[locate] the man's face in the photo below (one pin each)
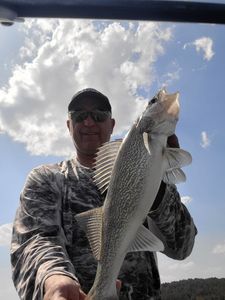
(89, 135)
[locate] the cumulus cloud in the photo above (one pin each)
(1, 130)
(219, 249)
(170, 77)
(60, 57)
(204, 45)
(205, 140)
(5, 234)
(202, 263)
(182, 266)
(172, 270)
(186, 199)
(7, 290)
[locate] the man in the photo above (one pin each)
(51, 257)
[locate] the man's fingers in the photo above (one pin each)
(118, 284)
(173, 142)
(82, 295)
(118, 287)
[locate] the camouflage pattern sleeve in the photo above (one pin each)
(175, 226)
(38, 246)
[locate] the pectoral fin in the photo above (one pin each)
(146, 241)
(146, 142)
(174, 176)
(91, 222)
(176, 158)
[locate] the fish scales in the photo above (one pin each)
(140, 164)
(132, 167)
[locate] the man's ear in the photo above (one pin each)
(112, 124)
(69, 124)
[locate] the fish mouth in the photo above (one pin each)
(163, 108)
(172, 105)
(169, 103)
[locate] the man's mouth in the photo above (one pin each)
(89, 133)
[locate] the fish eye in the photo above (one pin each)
(154, 100)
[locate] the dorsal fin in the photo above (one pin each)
(103, 166)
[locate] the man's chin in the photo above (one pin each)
(92, 148)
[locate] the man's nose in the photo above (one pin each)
(89, 121)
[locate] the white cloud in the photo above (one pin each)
(204, 44)
(219, 249)
(173, 270)
(205, 140)
(186, 200)
(5, 234)
(60, 57)
(7, 289)
(181, 266)
(202, 262)
(1, 130)
(170, 77)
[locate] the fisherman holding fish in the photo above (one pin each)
(89, 227)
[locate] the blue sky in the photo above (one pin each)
(44, 62)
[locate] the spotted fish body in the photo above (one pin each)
(132, 171)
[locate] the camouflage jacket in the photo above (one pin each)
(46, 239)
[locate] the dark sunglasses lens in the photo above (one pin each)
(99, 116)
(79, 116)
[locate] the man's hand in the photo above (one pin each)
(61, 287)
(173, 142)
(118, 285)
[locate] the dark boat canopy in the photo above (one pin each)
(148, 10)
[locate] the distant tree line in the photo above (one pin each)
(194, 289)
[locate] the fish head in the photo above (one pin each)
(161, 114)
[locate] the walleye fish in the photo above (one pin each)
(132, 170)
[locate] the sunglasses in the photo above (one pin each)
(97, 115)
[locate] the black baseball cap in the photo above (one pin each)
(90, 93)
